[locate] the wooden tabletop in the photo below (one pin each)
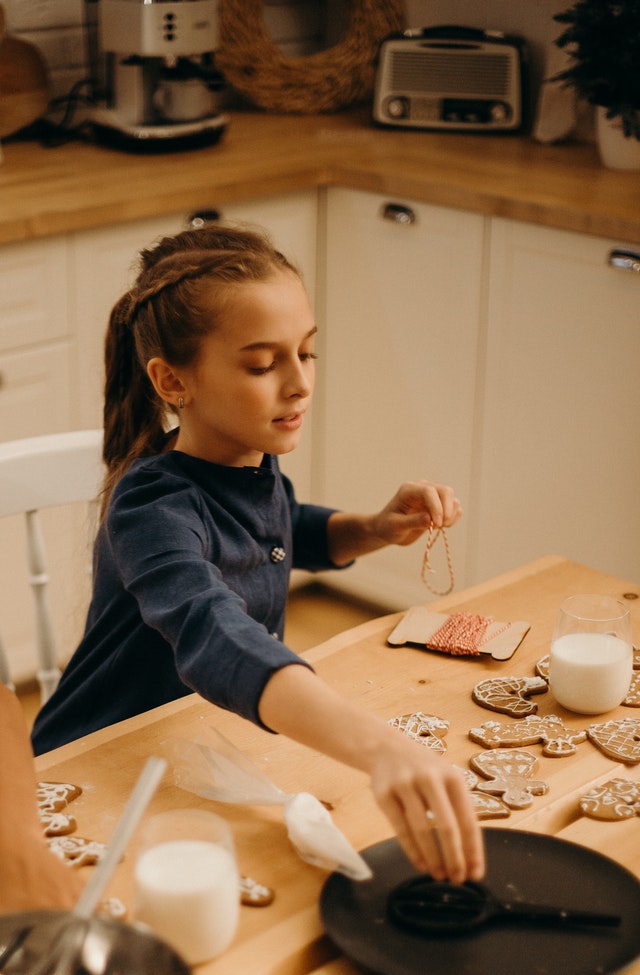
(287, 937)
(80, 185)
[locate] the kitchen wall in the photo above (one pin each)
(298, 26)
(56, 27)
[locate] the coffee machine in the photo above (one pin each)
(154, 81)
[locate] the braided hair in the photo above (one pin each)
(181, 292)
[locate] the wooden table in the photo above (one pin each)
(287, 938)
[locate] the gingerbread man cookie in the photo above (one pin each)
(619, 740)
(509, 695)
(509, 772)
(616, 799)
(426, 729)
(557, 740)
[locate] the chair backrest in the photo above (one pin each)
(38, 473)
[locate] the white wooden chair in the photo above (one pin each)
(38, 473)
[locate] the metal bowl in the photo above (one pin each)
(105, 946)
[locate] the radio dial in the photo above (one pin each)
(398, 107)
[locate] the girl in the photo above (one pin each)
(200, 531)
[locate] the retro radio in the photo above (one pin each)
(451, 78)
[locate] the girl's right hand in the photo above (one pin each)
(426, 799)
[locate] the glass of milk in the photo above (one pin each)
(591, 659)
(187, 887)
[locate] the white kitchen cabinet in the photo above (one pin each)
(104, 262)
(559, 467)
(398, 370)
(36, 341)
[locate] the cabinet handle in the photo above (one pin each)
(202, 218)
(625, 260)
(398, 213)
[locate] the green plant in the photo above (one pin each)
(603, 41)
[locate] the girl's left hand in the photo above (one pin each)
(415, 507)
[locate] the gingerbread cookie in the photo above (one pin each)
(632, 700)
(509, 773)
(57, 824)
(489, 807)
(542, 667)
(619, 740)
(78, 851)
(253, 894)
(557, 740)
(427, 729)
(509, 695)
(54, 796)
(616, 799)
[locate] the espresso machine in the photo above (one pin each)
(154, 81)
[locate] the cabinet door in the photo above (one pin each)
(398, 368)
(33, 293)
(560, 465)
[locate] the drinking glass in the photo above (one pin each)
(187, 887)
(591, 659)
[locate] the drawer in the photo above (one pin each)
(35, 392)
(33, 293)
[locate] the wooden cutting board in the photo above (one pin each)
(24, 82)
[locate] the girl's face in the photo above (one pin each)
(251, 384)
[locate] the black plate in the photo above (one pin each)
(525, 866)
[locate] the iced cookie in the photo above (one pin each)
(78, 851)
(509, 773)
(427, 729)
(54, 796)
(489, 807)
(509, 695)
(253, 894)
(557, 740)
(616, 799)
(542, 667)
(632, 700)
(57, 824)
(619, 740)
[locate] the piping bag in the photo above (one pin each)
(212, 767)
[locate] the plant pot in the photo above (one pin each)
(617, 151)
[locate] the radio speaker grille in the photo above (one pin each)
(463, 74)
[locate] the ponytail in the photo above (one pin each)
(134, 417)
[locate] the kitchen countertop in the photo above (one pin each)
(80, 185)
